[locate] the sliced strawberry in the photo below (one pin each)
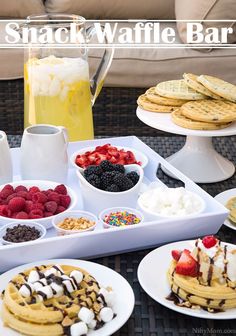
(209, 241)
(187, 265)
(176, 254)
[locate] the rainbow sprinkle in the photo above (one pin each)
(121, 218)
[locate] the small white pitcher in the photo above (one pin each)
(44, 153)
(5, 160)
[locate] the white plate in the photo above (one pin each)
(223, 198)
(105, 276)
(152, 275)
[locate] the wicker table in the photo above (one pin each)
(150, 318)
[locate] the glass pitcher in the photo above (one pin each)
(57, 87)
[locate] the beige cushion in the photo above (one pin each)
(116, 9)
(21, 9)
(140, 67)
(205, 10)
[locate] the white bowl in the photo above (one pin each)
(73, 214)
(97, 200)
(36, 225)
(119, 209)
(43, 185)
(140, 157)
(151, 215)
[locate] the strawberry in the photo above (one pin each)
(176, 254)
(209, 241)
(187, 265)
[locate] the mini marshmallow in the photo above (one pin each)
(65, 277)
(26, 290)
(33, 276)
(92, 324)
(58, 269)
(109, 296)
(106, 314)
(58, 289)
(86, 315)
(47, 290)
(50, 271)
(78, 329)
(68, 285)
(77, 276)
(39, 284)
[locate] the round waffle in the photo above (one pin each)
(157, 99)
(146, 104)
(32, 316)
(179, 119)
(219, 87)
(178, 89)
(191, 80)
(211, 111)
(216, 296)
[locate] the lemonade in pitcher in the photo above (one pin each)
(58, 89)
(57, 92)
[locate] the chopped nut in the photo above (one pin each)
(67, 322)
(76, 224)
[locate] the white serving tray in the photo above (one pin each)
(118, 240)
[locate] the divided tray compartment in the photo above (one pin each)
(102, 241)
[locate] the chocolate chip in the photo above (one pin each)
(21, 233)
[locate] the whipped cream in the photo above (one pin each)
(170, 201)
(221, 259)
(53, 76)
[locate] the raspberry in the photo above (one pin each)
(16, 204)
(21, 188)
(60, 209)
(37, 206)
(23, 194)
(61, 189)
(54, 196)
(209, 241)
(5, 193)
(65, 201)
(5, 211)
(22, 215)
(48, 214)
(10, 197)
(34, 190)
(28, 206)
(36, 213)
(51, 206)
(48, 191)
(39, 197)
(8, 187)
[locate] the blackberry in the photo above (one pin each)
(119, 168)
(106, 166)
(107, 179)
(94, 180)
(113, 188)
(123, 182)
(92, 170)
(133, 176)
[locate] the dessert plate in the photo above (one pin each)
(105, 276)
(155, 284)
(223, 198)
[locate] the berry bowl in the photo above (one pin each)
(71, 222)
(120, 217)
(9, 229)
(34, 200)
(114, 154)
(96, 199)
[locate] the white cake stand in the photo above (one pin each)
(197, 159)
